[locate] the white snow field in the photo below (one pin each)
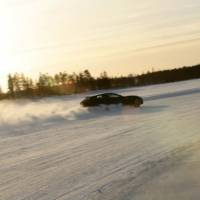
(52, 149)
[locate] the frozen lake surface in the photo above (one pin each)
(53, 149)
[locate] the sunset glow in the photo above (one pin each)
(120, 37)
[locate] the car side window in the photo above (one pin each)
(113, 96)
(99, 97)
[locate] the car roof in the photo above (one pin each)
(104, 94)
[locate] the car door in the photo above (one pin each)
(114, 99)
(105, 99)
(100, 99)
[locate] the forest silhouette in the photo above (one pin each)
(63, 83)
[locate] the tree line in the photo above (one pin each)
(63, 83)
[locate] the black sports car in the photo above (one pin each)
(111, 98)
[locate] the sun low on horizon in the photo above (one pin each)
(120, 37)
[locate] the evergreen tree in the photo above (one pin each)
(64, 77)
(11, 85)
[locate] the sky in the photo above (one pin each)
(119, 36)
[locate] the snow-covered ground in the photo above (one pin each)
(52, 149)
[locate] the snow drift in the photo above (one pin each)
(27, 111)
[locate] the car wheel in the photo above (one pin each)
(137, 103)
